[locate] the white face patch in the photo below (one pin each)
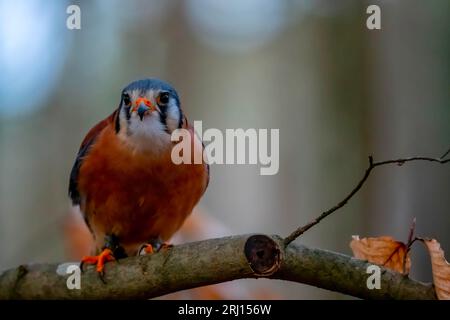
(149, 134)
(172, 116)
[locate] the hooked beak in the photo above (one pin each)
(141, 111)
(143, 106)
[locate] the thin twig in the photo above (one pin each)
(372, 165)
(412, 230)
(411, 239)
(445, 154)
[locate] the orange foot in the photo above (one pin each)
(100, 260)
(149, 248)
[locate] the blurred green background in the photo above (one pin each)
(336, 90)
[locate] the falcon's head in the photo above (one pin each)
(148, 113)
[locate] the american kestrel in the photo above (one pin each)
(129, 190)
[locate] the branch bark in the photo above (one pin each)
(219, 260)
(208, 262)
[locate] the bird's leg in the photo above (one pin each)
(152, 246)
(110, 252)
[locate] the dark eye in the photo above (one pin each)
(163, 98)
(126, 99)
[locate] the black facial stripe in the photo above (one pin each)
(128, 113)
(128, 117)
(117, 122)
(180, 121)
(163, 117)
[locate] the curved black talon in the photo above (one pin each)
(156, 246)
(101, 275)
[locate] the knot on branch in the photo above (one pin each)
(263, 255)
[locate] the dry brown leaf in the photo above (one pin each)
(384, 251)
(441, 269)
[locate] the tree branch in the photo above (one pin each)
(209, 262)
(219, 260)
(372, 165)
